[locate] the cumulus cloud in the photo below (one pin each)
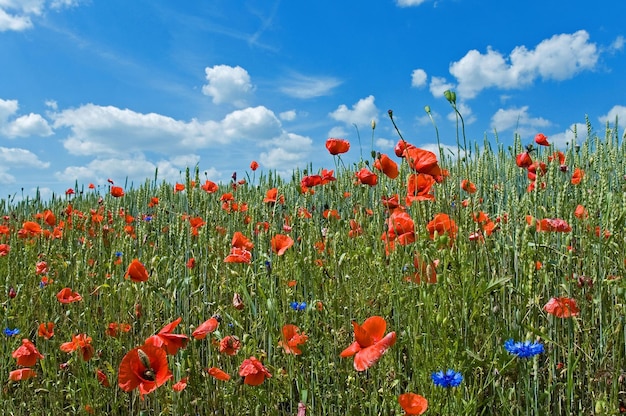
(409, 3)
(289, 115)
(418, 78)
(361, 114)
(304, 86)
(22, 126)
(519, 120)
(227, 84)
(576, 133)
(15, 15)
(107, 130)
(618, 111)
(12, 157)
(289, 150)
(559, 57)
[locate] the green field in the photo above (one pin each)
(453, 271)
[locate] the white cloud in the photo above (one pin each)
(303, 86)
(361, 114)
(289, 115)
(384, 144)
(337, 131)
(409, 3)
(418, 78)
(15, 15)
(23, 126)
(227, 84)
(101, 131)
(438, 85)
(466, 113)
(617, 45)
(519, 120)
(287, 152)
(560, 57)
(19, 158)
(576, 133)
(618, 111)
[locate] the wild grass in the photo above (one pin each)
(488, 290)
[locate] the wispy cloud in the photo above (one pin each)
(16, 15)
(306, 86)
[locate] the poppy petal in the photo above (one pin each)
(367, 357)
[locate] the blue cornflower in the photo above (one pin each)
(524, 349)
(11, 332)
(298, 306)
(118, 254)
(147, 218)
(450, 378)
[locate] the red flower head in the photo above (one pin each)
(218, 374)
(443, 225)
(337, 146)
(291, 339)
(136, 271)
(67, 296)
(208, 326)
(253, 371)
(386, 166)
(22, 374)
(271, 195)
(401, 146)
(102, 378)
(80, 343)
(254, 165)
(562, 307)
(165, 339)
(117, 191)
(424, 161)
(419, 188)
(281, 243)
(238, 255)
(144, 367)
(370, 342)
(413, 404)
(523, 160)
(229, 345)
(4, 249)
(366, 177)
(27, 354)
(541, 140)
(241, 241)
(209, 187)
(468, 186)
(577, 176)
(46, 330)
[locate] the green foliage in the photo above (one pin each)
(489, 288)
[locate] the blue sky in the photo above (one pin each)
(92, 90)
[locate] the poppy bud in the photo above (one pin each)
(390, 112)
(373, 124)
(12, 292)
(427, 109)
(450, 96)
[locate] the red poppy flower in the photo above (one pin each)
(401, 147)
(180, 385)
(41, 267)
(27, 354)
(165, 339)
(442, 224)
(577, 176)
(270, 195)
(413, 404)
(46, 330)
(419, 188)
(229, 345)
(424, 161)
(562, 307)
(366, 177)
(311, 181)
(241, 241)
(67, 296)
(355, 229)
(400, 227)
(387, 166)
(145, 368)
(114, 329)
(136, 271)
(254, 165)
(102, 378)
(49, 218)
(425, 272)
(218, 374)
(280, 243)
(208, 326)
(210, 187)
(22, 374)
(80, 343)
(523, 160)
(550, 224)
(179, 187)
(337, 146)
(117, 191)
(291, 339)
(581, 212)
(253, 371)
(370, 342)
(29, 229)
(468, 186)
(541, 139)
(238, 255)
(4, 249)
